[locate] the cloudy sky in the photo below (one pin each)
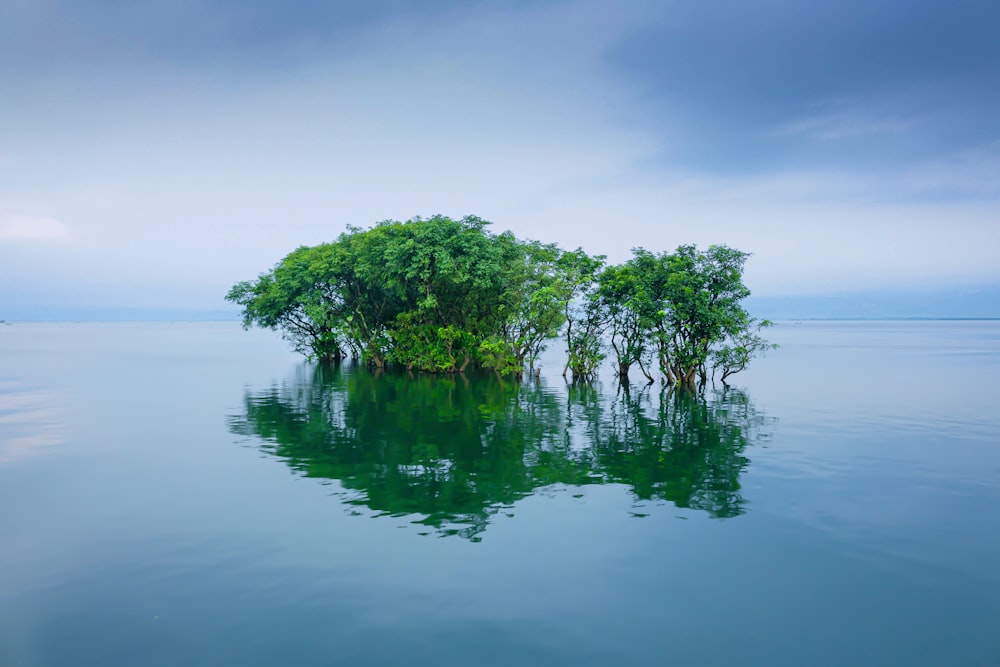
(153, 152)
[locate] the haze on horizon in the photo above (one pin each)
(154, 153)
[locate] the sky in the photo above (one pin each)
(154, 152)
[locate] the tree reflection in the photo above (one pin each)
(455, 450)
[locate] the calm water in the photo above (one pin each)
(193, 494)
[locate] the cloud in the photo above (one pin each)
(845, 125)
(720, 77)
(29, 228)
(193, 143)
(974, 172)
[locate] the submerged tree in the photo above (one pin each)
(686, 307)
(299, 298)
(531, 309)
(442, 295)
(585, 318)
(702, 309)
(452, 277)
(740, 347)
(427, 294)
(621, 295)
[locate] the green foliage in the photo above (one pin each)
(585, 318)
(452, 278)
(440, 295)
(685, 306)
(623, 298)
(702, 307)
(532, 309)
(741, 347)
(433, 295)
(497, 354)
(295, 297)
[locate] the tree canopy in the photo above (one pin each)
(439, 294)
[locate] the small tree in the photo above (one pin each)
(690, 304)
(740, 347)
(623, 299)
(585, 318)
(532, 308)
(702, 296)
(295, 298)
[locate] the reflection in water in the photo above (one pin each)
(455, 450)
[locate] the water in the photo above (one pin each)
(194, 494)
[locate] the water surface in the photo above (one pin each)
(194, 494)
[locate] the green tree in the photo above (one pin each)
(369, 303)
(532, 306)
(582, 310)
(622, 298)
(691, 304)
(297, 298)
(439, 294)
(740, 347)
(453, 276)
(702, 307)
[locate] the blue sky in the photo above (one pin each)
(154, 152)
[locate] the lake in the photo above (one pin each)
(190, 493)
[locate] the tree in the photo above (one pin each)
(740, 347)
(296, 297)
(532, 306)
(439, 294)
(369, 303)
(585, 318)
(699, 294)
(452, 277)
(622, 298)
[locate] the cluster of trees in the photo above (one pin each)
(452, 451)
(439, 294)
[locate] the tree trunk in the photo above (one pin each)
(645, 372)
(665, 367)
